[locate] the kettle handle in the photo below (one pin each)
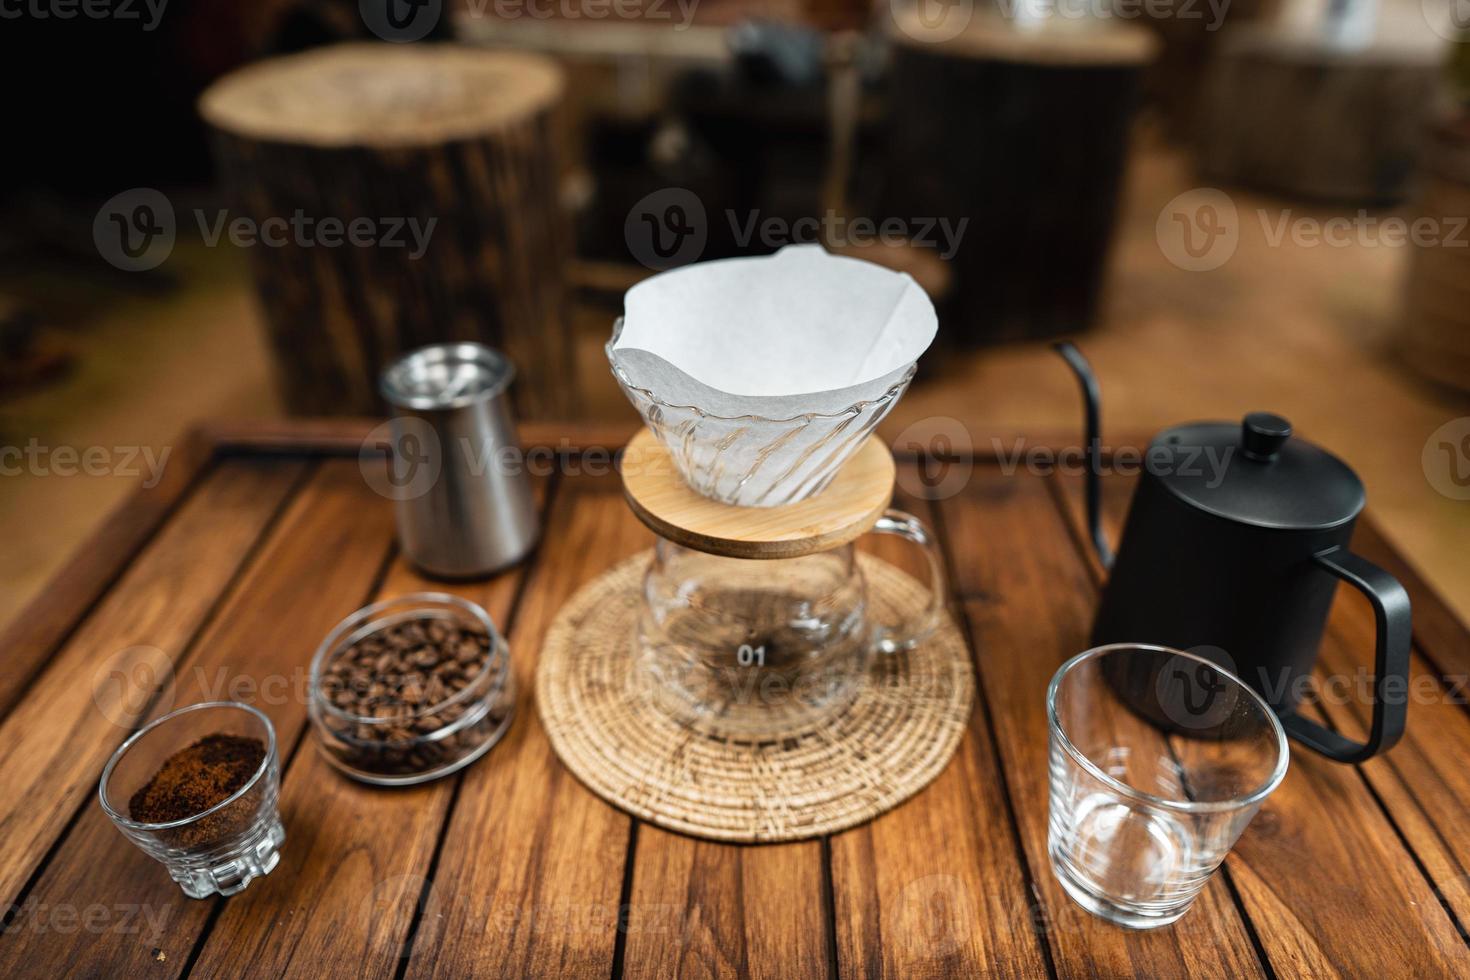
(1091, 404)
(1390, 663)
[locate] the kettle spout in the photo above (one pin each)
(1091, 403)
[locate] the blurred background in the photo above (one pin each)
(218, 209)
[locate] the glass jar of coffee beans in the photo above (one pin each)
(411, 689)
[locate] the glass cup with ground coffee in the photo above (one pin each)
(197, 791)
(411, 689)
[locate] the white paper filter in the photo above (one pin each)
(763, 375)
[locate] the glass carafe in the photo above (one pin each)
(767, 648)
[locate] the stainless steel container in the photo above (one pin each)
(468, 510)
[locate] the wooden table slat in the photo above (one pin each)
(1423, 782)
(75, 714)
(933, 888)
(1028, 597)
(706, 909)
(34, 634)
(1440, 633)
(513, 868)
(369, 886)
(318, 564)
(1325, 841)
(532, 863)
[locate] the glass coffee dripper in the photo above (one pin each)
(756, 623)
(761, 648)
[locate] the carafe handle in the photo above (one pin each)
(909, 634)
(1390, 663)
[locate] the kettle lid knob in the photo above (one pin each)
(1262, 435)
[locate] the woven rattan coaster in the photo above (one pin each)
(886, 746)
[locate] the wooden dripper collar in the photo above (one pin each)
(848, 508)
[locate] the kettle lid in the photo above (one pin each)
(1257, 474)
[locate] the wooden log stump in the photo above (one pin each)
(1436, 330)
(1298, 113)
(444, 159)
(1025, 134)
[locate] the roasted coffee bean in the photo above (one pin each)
(399, 678)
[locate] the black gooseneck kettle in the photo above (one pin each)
(1236, 539)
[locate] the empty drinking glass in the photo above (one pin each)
(1159, 759)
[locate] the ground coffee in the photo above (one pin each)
(195, 778)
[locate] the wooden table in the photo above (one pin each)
(257, 541)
